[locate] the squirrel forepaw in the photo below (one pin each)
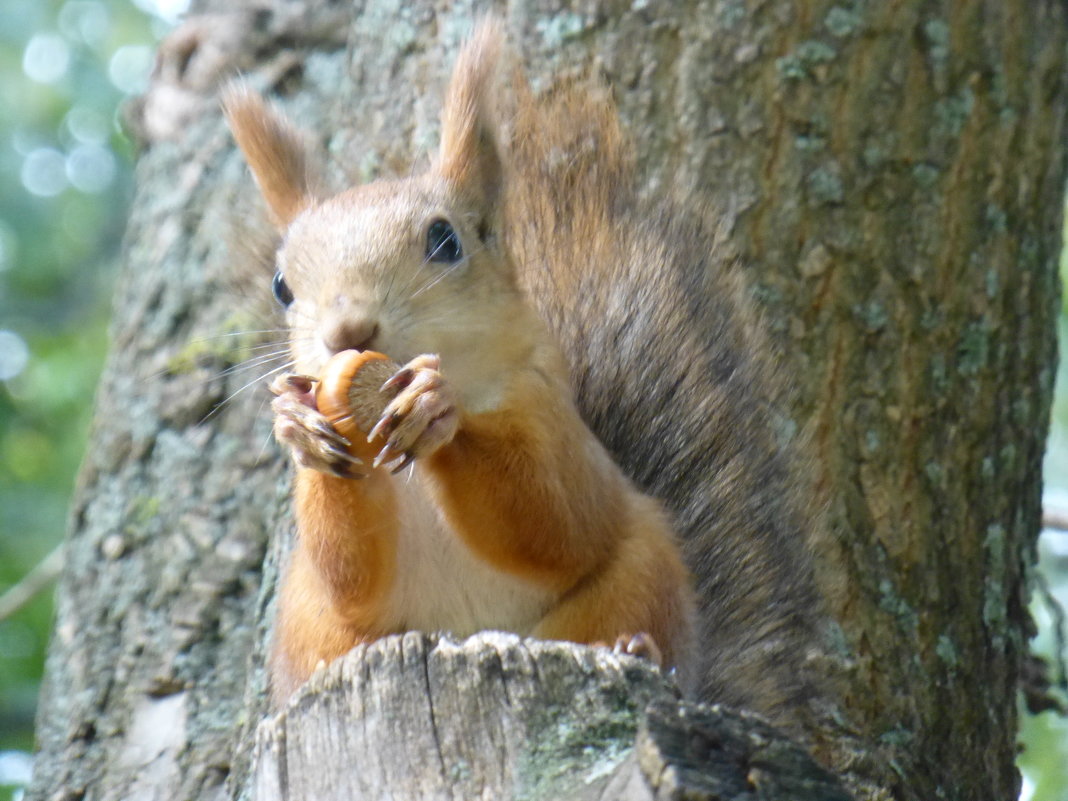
(310, 437)
(421, 418)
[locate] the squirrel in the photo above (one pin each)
(579, 447)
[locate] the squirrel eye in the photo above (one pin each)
(442, 243)
(282, 293)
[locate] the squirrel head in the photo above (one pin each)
(401, 266)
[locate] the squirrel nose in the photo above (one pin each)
(356, 333)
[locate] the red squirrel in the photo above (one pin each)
(541, 312)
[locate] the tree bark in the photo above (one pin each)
(891, 175)
(497, 717)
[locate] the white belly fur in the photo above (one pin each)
(442, 585)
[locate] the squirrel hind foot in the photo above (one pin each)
(640, 645)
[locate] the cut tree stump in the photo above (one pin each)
(498, 717)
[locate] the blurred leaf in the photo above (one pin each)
(57, 253)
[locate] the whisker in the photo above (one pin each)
(432, 284)
(212, 337)
(389, 289)
(267, 439)
(278, 343)
(285, 343)
(238, 391)
(436, 281)
(418, 274)
(451, 268)
(413, 278)
(251, 364)
(278, 347)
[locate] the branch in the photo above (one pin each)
(40, 577)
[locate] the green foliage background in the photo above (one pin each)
(57, 256)
(58, 249)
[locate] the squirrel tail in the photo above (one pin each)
(650, 309)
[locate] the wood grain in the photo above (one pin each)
(496, 717)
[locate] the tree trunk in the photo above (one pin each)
(891, 175)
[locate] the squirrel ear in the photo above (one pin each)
(274, 150)
(469, 155)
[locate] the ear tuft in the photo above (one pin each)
(274, 150)
(469, 155)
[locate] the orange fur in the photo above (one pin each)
(308, 630)
(468, 156)
(274, 150)
(339, 573)
(642, 589)
(530, 489)
(519, 518)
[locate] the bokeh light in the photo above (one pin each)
(46, 58)
(85, 21)
(14, 354)
(90, 168)
(129, 68)
(44, 172)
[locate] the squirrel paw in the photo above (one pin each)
(641, 645)
(310, 437)
(422, 418)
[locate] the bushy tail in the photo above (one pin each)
(646, 305)
(567, 162)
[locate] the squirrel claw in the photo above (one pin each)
(311, 439)
(421, 418)
(330, 433)
(338, 469)
(383, 426)
(387, 454)
(291, 382)
(404, 463)
(332, 459)
(399, 380)
(345, 456)
(390, 453)
(403, 377)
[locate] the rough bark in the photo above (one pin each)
(500, 718)
(891, 175)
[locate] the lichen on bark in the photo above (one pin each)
(891, 176)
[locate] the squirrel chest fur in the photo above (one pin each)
(575, 439)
